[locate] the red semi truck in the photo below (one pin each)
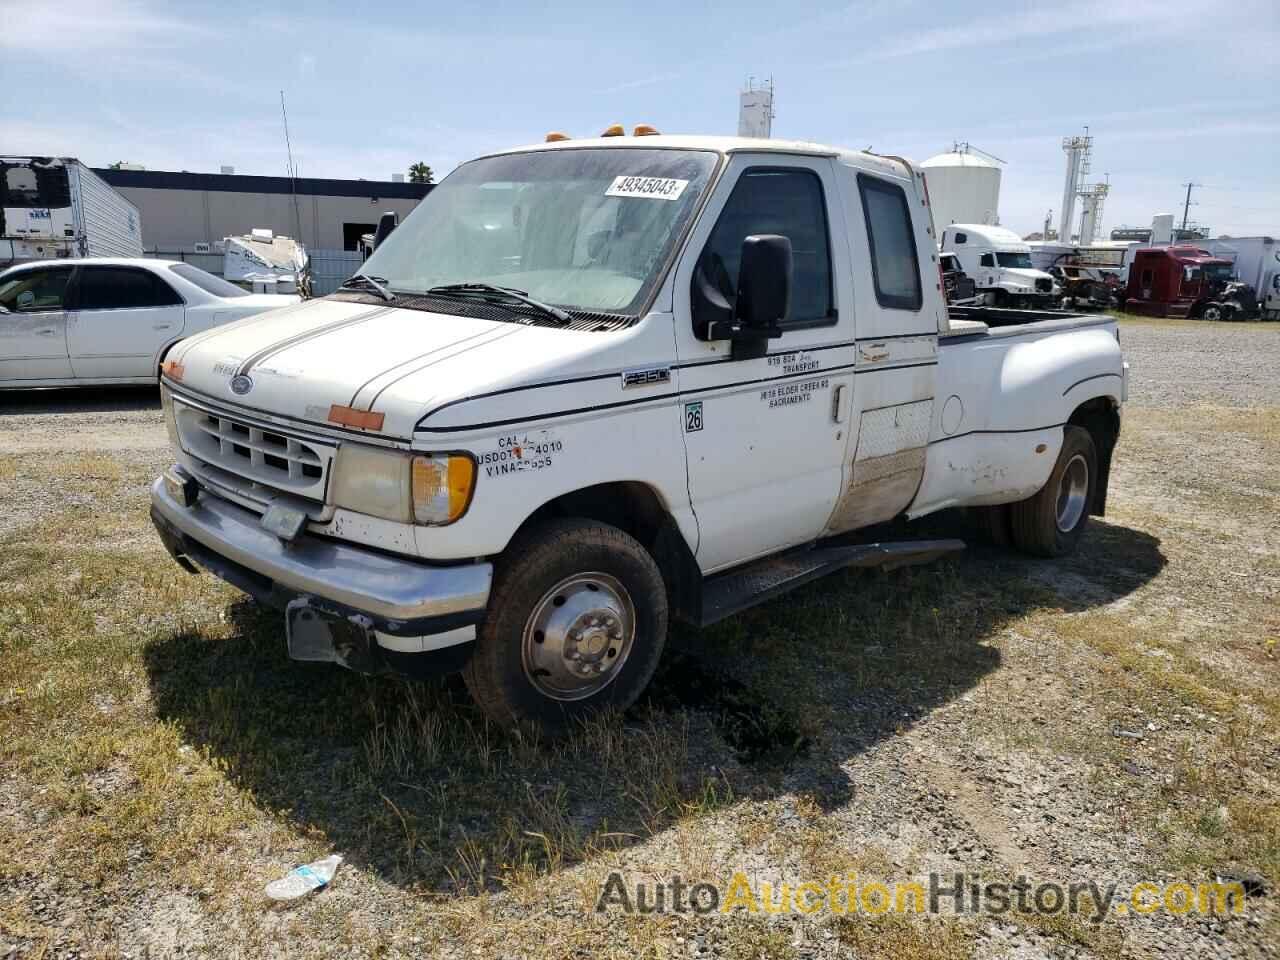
(1186, 281)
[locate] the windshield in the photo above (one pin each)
(1217, 271)
(207, 281)
(1020, 260)
(587, 229)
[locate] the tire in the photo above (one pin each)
(527, 669)
(992, 524)
(1211, 311)
(1050, 523)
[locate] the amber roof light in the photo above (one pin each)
(644, 130)
(614, 130)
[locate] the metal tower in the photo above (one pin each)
(1078, 151)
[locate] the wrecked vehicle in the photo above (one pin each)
(590, 387)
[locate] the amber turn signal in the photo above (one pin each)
(172, 369)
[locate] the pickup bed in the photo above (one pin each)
(591, 386)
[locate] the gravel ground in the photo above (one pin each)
(1177, 363)
(1016, 767)
(93, 420)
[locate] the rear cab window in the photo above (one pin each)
(895, 265)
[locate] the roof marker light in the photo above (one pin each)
(350, 417)
(644, 130)
(555, 136)
(614, 130)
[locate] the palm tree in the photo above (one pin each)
(421, 173)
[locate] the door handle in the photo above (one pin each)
(161, 326)
(47, 332)
(837, 404)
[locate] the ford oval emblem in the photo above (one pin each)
(241, 384)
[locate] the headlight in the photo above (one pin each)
(430, 489)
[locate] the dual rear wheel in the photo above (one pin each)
(1051, 522)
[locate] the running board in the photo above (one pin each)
(735, 591)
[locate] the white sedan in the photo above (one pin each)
(107, 320)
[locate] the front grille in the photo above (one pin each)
(261, 463)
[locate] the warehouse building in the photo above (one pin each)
(189, 212)
(184, 216)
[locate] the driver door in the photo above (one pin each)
(33, 333)
(765, 436)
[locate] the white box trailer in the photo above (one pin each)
(57, 207)
(1254, 259)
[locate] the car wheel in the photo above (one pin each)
(577, 622)
(1050, 523)
(1211, 311)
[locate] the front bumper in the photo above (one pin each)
(399, 597)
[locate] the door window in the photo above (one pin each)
(123, 288)
(33, 290)
(988, 260)
(894, 264)
(789, 203)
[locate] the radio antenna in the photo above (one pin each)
(293, 173)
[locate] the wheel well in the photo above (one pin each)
(1101, 417)
(636, 508)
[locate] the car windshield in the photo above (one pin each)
(1218, 271)
(207, 281)
(1021, 260)
(587, 229)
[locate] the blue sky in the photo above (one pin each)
(1171, 89)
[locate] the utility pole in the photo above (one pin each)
(1186, 206)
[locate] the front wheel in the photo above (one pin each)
(577, 622)
(1050, 523)
(1211, 311)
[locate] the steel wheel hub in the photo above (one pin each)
(578, 636)
(1073, 491)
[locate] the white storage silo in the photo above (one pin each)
(963, 187)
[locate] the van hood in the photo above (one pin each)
(299, 361)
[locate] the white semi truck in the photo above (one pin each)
(57, 207)
(999, 262)
(591, 387)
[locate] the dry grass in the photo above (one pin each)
(161, 760)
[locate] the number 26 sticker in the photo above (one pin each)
(693, 417)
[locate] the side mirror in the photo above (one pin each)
(386, 223)
(764, 281)
(763, 298)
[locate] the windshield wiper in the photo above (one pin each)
(491, 292)
(364, 280)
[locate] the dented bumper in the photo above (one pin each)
(408, 606)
